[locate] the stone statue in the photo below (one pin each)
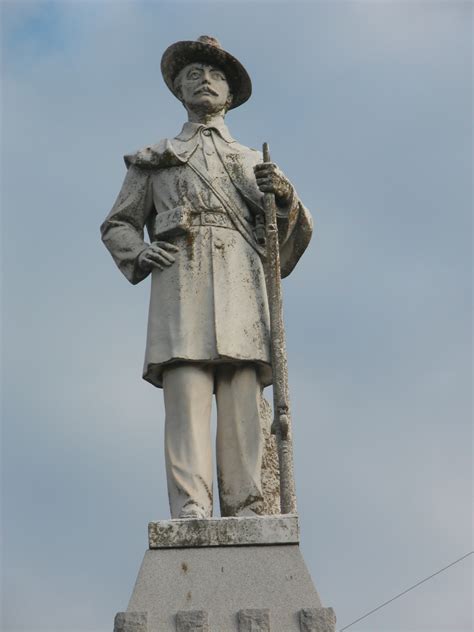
(200, 196)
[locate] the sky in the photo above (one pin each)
(367, 107)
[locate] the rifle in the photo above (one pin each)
(281, 426)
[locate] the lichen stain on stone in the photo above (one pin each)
(184, 567)
(208, 491)
(226, 510)
(236, 168)
(256, 502)
(189, 241)
(270, 465)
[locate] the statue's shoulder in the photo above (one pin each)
(161, 155)
(248, 154)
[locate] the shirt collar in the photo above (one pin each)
(191, 129)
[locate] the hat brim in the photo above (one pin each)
(181, 54)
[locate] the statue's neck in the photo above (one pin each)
(215, 119)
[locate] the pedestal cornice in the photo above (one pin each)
(262, 530)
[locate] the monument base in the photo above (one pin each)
(225, 575)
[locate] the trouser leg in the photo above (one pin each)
(188, 454)
(239, 440)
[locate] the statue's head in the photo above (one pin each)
(203, 88)
(204, 76)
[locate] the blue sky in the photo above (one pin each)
(367, 107)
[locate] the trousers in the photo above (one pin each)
(188, 391)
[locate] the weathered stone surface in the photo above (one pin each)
(254, 620)
(192, 621)
(131, 622)
(223, 532)
(270, 466)
(223, 581)
(317, 620)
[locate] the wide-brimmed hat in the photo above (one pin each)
(206, 50)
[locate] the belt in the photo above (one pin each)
(212, 218)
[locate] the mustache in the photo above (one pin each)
(206, 89)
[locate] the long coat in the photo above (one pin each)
(198, 191)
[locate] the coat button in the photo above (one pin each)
(218, 243)
(207, 132)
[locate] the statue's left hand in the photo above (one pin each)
(270, 179)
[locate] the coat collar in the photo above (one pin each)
(190, 130)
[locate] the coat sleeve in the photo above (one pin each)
(123, 229)
(295, 228)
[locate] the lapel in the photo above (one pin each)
(240, 170)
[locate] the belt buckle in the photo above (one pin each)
(211, 218)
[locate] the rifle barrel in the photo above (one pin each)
(281, 407)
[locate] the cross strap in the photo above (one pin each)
(238, 222)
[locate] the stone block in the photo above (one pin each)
(317, 620)
(254, 620)
(222, 581)
(131, 622)
(282, 529)
(192, 621)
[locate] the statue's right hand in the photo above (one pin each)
(157, 255)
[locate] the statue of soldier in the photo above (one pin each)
(200, 196)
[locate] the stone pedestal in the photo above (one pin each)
(225, 575)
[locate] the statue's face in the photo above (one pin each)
(204, 88)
